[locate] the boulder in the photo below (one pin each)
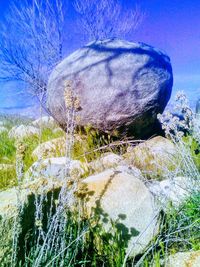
(50, 149)
(184, 259)
(3, 129)
(118, 200)
(154, 157)
(45, 122)
(106, 161)
(173, 191)
(121, 87)
(55, 168)
(54, 148)
(23, 131)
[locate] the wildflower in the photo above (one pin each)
(38, 223)
(71, 101)
(172, 124)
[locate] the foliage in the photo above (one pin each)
(40, 23)
(7, 148)
(180, 231)
(7, 178)
(107, 19)
(81, 236)
(59, 237)
(8, 153)
(194, 148)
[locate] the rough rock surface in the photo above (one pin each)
(119, 195)
(173, 191)
(55, 147)
(44, 122)
(106, 161)
(155, 157)
(120, 86)
(184, 259)
(50, 149)
(54, 168)
(23, 131)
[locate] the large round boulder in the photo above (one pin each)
(118, 202)
(120, 86)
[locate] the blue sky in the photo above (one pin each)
(173, 26)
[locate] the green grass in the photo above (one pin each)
(7, 149)
(194, 149)
(8, 153)
(180, 231)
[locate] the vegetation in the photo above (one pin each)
(56, 236)
(8, 152)
(180, 231)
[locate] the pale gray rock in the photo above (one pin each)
(23, 131)
(156, 157)
(184, 259)
(119, 195)
(106, 161)
(45, 122)
(50, 149)
(173, 191)
(121, 86)
(55, 168)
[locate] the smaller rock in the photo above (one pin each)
(3, 129)
(45, 122)
(154, 157)
(53, 148)
(119, 196)
(23, 131)
(172, 190)
(54, 168)
(184, 259)
(108, 160)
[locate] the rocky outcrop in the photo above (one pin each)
(173, 191)
(44, 122)
(121, 86)
(55, 147)
(56, 168)
(106, 161)
(50, 149)
(120, 202)
(154, 157)
(184, 259)
(23, 131)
